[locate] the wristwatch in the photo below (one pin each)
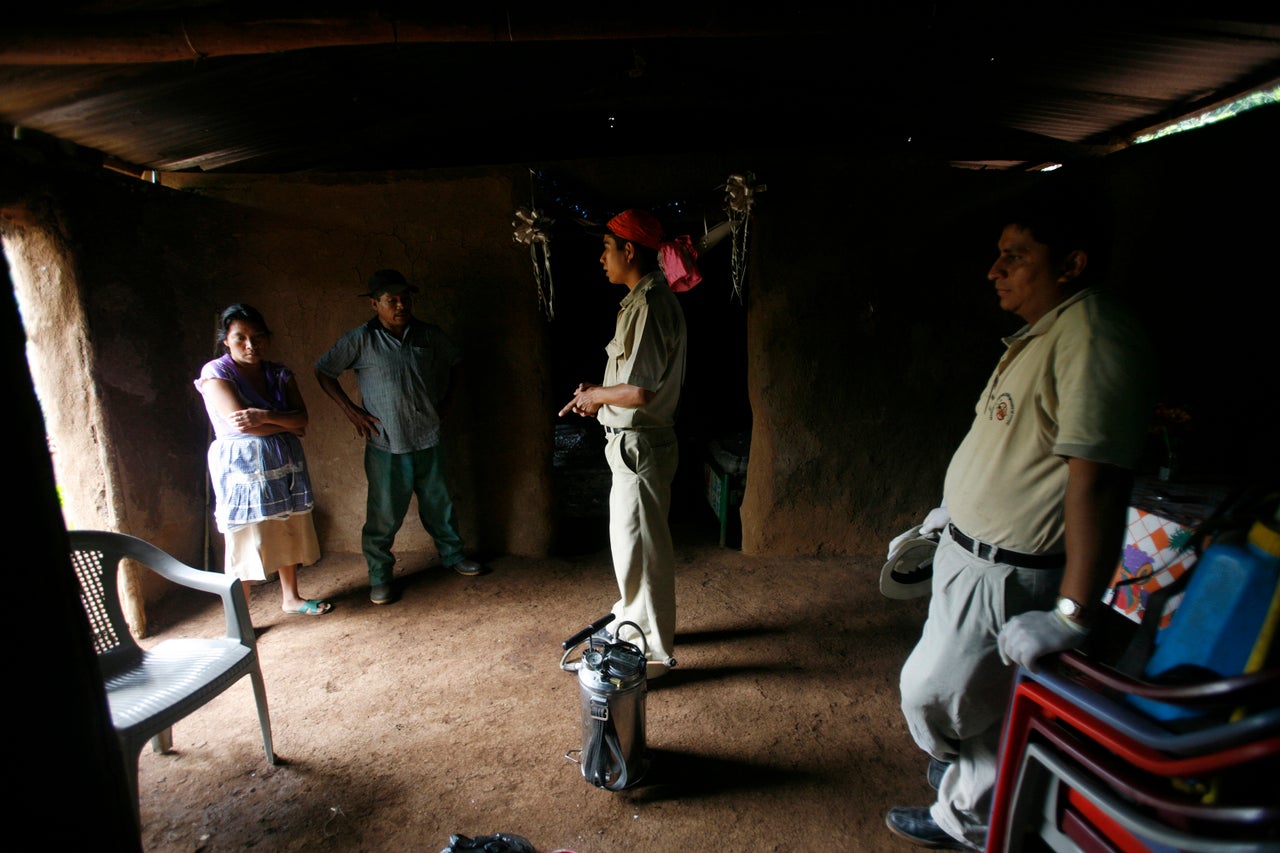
(1070, 609)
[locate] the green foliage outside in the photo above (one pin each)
(1260, 98)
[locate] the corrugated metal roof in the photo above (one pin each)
(210, 86)
(1108, 85)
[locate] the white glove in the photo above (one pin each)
(936, 520)
(933, 522)
(1029, 636)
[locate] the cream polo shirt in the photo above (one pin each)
(1079, 383)
(647, 350)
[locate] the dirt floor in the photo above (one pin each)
(448, 712)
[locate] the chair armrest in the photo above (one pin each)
(1083, 696)
(234, 601)
(1239, 689)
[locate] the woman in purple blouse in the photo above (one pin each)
(262, 490)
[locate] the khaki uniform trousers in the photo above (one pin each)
(643, 462)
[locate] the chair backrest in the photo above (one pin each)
(96, 561)
(148, 691)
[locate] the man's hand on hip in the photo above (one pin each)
(366, 424)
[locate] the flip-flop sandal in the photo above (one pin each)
(314, 607)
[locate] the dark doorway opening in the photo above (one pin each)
(714, 404)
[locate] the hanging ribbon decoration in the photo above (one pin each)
(677, 256)
(740, 191)
(533, 229)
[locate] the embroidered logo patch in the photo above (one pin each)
(1002, 410)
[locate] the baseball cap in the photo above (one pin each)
(388, 281)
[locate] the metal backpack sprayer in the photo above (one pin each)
(611, 687)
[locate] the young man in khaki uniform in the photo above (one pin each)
(636, 405)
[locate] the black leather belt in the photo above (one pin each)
(1003, 555)
(614, 430)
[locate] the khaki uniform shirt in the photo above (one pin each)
(1076, 384)
(647, 350)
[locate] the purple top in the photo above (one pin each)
(224, 367)
(254, 478)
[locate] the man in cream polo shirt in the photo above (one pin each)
(636, 404)
(1033, 511)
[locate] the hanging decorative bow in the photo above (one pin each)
(740, 192)
(532, 229)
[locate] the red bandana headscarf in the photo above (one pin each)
(678, 258)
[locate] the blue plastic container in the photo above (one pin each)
(1225, 623)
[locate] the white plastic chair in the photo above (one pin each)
(150, 690)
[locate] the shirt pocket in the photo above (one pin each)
(424, 356)
(616, 369)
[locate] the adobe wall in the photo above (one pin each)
(866, 355)
(865, 328)
(302, 248)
